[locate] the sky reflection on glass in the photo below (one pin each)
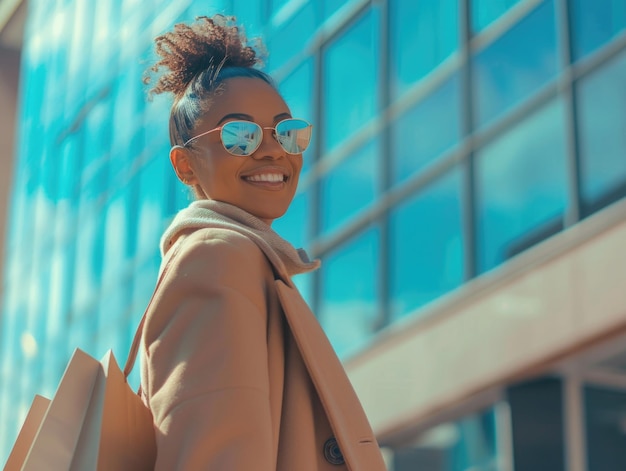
(516, 64)
(484, 12)
(426, 245)
(595, 22)
(348, 307)
(426, 131)
(349, 186)
(423, 34)
(521, 184)
(351, 80)
(602, 127)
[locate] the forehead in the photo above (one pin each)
(245, 95)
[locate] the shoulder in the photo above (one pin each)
(211, 268)
(222, 253)
(219, 239)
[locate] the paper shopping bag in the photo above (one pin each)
(94, 422)
(118, 433)
(27, 434)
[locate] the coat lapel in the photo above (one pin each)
(345, 414)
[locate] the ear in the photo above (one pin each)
(180, 158)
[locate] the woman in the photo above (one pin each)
(235, 368)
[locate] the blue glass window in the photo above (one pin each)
(152, 209)
(469, 443)
(602, 134)
(290, 38)
(484, 12)
(127, 112)
(297, 90)
(427, 130)
(348, 308)
(521, 186)
(351, 80)
(604, 428)
(349, 187)
(423, 34)
(295, 224)
(101, 71)
(329, 7)
(426, 246)
(249, 13)
(97, 133)
(594, 23)
(515, 65)
(276, 5)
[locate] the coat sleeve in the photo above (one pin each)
(206, 357)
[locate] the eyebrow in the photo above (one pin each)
(247, 117)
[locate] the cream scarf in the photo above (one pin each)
(214, 214)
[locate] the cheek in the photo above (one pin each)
(297, 166)
(219, 168)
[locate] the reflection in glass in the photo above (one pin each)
(249, 13)
(291, 37)
(521, 186)
(330, 6)
(426, 131)
(594, 23)
(151, 208)
(426, 248)
(76, 232)
(276, 5)
(423, 34)
(516, 65)
(469, 443)
(349, 186)
(350, 88)
(605, 424)
(297, 90)
(484, 12)
(348, 306)
(602, 134)
(294, 225)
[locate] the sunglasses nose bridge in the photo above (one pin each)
(269, 145)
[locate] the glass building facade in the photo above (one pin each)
(450, 137)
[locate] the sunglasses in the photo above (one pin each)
(244, 137)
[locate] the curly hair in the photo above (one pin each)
(199, 57)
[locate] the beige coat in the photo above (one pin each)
(237, 371)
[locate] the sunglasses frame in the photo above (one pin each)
(274, 134)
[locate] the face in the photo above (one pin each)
(263, 183)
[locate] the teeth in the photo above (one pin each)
(266, 177)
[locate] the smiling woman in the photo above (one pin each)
(236, 370)
(239, 166)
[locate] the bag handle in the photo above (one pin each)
(134, 347)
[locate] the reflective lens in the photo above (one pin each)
(244, 137)
(241, 137)
(293, 135)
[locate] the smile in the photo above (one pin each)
(267, 177)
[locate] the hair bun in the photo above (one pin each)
(188, 50)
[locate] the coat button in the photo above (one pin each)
(332, 453)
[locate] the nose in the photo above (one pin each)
(269, 147)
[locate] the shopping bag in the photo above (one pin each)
(94, 422)
(27, 434)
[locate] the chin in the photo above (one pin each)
(267, 216)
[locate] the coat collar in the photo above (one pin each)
(287, 260)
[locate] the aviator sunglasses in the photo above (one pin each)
(245, 137)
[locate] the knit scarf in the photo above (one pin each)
(216, 214)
